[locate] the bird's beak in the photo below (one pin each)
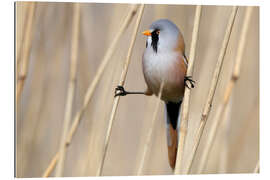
(147, 33)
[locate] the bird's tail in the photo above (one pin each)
(172, 122)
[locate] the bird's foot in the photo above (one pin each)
(120, 91)
(191, 81)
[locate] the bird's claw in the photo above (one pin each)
(119, 91)
(191, 81)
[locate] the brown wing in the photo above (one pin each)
(180, 48)
(181, 44)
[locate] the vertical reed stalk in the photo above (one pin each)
(159, 11)
(212, 89)
(18, 18)
(71, 88)
(150, 132)
(234, 77)
(184, 116)
(92, 86)
(121, 83)
(22, 58)
(25, 51)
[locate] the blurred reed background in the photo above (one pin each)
(59, 49)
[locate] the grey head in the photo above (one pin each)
(164, 35)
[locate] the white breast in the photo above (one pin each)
(158, 67)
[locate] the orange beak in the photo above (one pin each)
(146, 33)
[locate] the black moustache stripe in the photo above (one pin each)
(155, 38)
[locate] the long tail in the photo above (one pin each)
(172, 122)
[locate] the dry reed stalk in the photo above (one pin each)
(22, 58)
(121, 83)
(18, 19)
(212, 89)
(257, 167)
(51, 166)
(150, 132)
(71, 88)
(185, 110)
(100, 71)
(158, 11)
(92, 86)
(234, 77)
(25, 51)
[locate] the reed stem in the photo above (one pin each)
(51, 166)
(227, 94)
(150, 132)
(93, 85)
(71, 88)
(184, 116)
(25, 51)
(121, 83)
(212, 89)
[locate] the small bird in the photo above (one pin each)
(164, 62)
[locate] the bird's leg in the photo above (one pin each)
(120, 91)
(191, 81)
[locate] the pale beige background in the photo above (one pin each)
(41, 108)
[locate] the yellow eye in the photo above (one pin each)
(158, 32)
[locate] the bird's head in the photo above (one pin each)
(163, 35)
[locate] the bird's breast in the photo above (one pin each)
(167, 67)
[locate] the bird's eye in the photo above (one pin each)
(158, 32)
